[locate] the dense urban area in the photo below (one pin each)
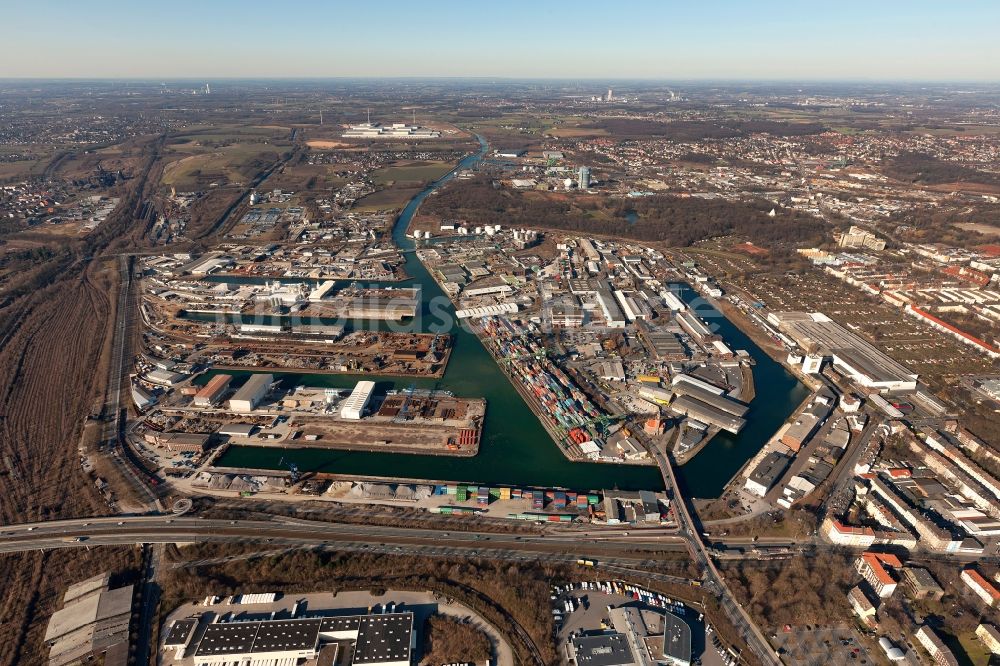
(456, 372)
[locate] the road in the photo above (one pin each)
(638, 555)
(744, 625)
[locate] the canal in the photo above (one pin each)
(515, 448)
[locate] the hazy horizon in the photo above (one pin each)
(585, 40)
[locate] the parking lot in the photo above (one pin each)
(836, 645)
(590, 615)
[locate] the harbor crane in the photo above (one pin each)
(292, 468)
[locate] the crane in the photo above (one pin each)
(292, 468)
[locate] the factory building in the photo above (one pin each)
(251, 393)
(672, 301)
(354, 406)
(379, 640)
(212, 392)
(664, 345)
(715, 400)
(372, 130)
(694, 326)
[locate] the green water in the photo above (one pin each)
(515, 448)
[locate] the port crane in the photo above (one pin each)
(292, 468)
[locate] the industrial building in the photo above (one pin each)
(694, 326)
(692, 407)
(613, 316)
(354, 406)
(212, 392)
(251, 393)
(767, 472)
(378, 640)
(372, 130)
(852, 356)
(94, 620)
(711, 398)
(602, 650)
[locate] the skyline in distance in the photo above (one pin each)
(916, 41)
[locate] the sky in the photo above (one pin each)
(573, 39)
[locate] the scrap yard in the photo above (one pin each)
(265, 412)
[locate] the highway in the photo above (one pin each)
(638, 554)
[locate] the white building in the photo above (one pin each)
(251, 393)
(354, 406)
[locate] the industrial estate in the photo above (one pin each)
(518, 373)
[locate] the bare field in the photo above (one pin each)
(985, 229)
(392, 198)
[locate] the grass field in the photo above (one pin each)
(22, 169)
(411, 172)
(304, 177)
(235, 163)
(975, 651)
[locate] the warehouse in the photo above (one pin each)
(613, 316)
(251, 393)
(852, 356)
(602, 650)
(694, 326)
(212, 392)
(354, 407)
(694, 381)
(688, 406)
(717, 401)
(94, 620)
(799, 431)
(379, 640)
(663, 344)
(767, 473)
